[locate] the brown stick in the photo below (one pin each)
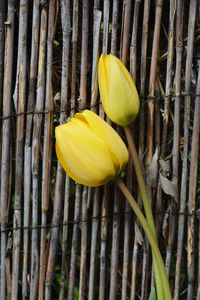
(37, 125)
(47, 144)
(6, 131)
(21, 99)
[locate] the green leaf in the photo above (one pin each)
(152, 295)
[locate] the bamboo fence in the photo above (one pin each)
(60, 240)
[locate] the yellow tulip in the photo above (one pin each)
(117, 90)
(90, 151)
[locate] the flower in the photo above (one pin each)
(117, 90)
(90, 151)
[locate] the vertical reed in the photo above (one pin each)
(47, 143)
(19, 151)
(66, 31)
(6, 139)
(176, 145)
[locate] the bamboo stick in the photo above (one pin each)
(106, 7)
(47, 143)
(168, 88)
(72, 271)
(134, 271)
(21, 99)
(54, 231)
(28, 140)
(127, 239)
(114, 35)
(97, 14)
(37, 126)
(194, 151)
(104, 233)
(2, 37)
(133, 46)
(73, 263)
(6, 126)
(84, 55)
(115, 248)
(116, 221)
(84, 233)
(143, 70)
(152, 81)
(151, 93)
(125, 33)
(60, 176)
(198, 281)
(181, 219)
(183, 192)
(74, 55)
(192, 203)
(93, 254)
(66, 28)
(64, 240)
(96, 199)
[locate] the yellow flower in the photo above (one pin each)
(117, 90)
(90, 150)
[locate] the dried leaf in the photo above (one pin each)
(165, 165)
(165, 222)
(138, 235)
(153, 169)
(169, 187)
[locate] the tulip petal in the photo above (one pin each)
(105, 132)
(122, 94)
(83, 155)
(103, 82)
(118, 92)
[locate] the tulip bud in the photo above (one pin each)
(117, 90)
(90, 151)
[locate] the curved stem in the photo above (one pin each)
(151, 238)
(146, 202)
(141, 182)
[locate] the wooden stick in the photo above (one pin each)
(47, 143)
(74, 55)
(116, 221)
(168, 88)
(125, 33)
(2, 37)
(37, 125)
(84, 234)
(66, 28)
(115, 247)
(193, 180)
(176, 145)
(84, 55)
(104, 233)
(60, 175)
(28, 140)
(191, 264)
(21, 99)
(73, 263)
(106, 7)
(6, 135)
(93, 254)
(97, 14)
(152, 81)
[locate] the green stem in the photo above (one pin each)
(151, 238)
(146, 202)
(141, 182)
